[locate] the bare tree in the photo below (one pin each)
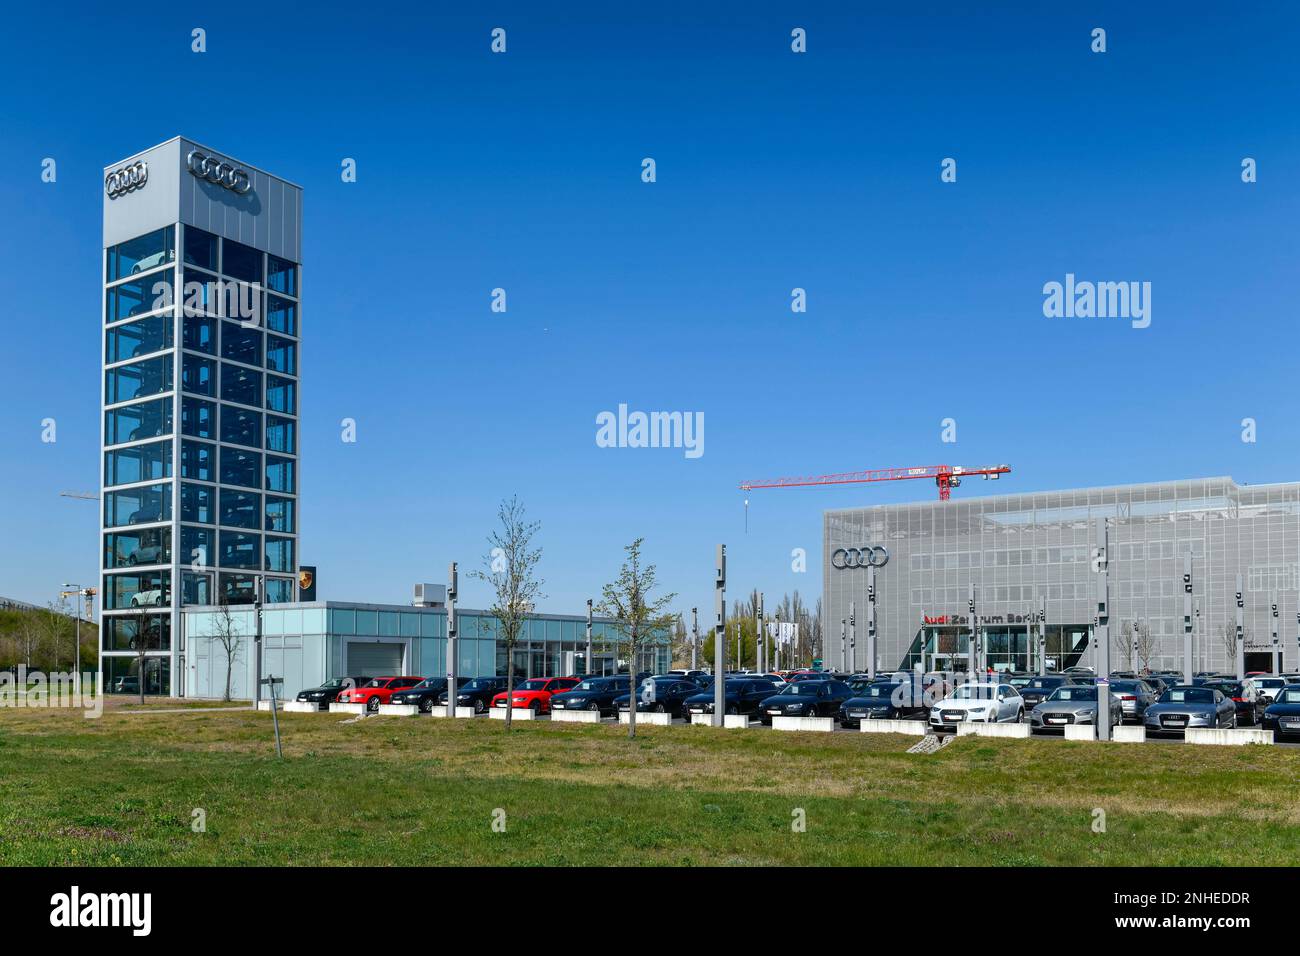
(636, 614)
(145, 634)
(510, 567)
(1146, 644)
(1229, 637)
(231, 638)
(1122, 642)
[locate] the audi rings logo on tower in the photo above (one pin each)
(121, 181)
(872, 555)
(219, 171)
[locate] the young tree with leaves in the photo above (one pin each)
(636, 613)
(510, 567)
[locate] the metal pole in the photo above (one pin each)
(1241, 632)
(588, 660)
(1042, 635)
(844, 654)
(853, 639)
(1276, 645)
(257, 639)
(719, 635)
(1102, 631)
(695, 642)
(973, 653)
(758, 635)
(871, 623)
(453, 627)
(1188, 666)
(275, 720)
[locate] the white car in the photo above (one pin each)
(1265, 687)
(980, 703)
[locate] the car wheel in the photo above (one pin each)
(479, 706)
(733, 710)
(535, 707)
(1020, 716)
(594, 706)
(372, 705)
(426, 706)
(659, 708)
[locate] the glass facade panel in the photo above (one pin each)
(140, 505)
(134, 380)
(240, 261)
(241, 385)
(281, 275)
(138, 297)
(122, 675)
(281, 394)
(196, 588)
(198, 418)
(240, 343)
(241, 509)
(279, 515)
(240, 426)
(126, 549)
(140, 254)
(196, 503)
(240, 467)
(281, 355)
(281, 315)
(134, 422)
(198, 375)
(199, 334)
(240, 550)
(280, 474)
(142, 589)
(200, 248)
(197, 461)
(130, 632)
(197, 546)
(281, 435)
(279, 554)
(141, 337)
(279, 590)
(138, 463)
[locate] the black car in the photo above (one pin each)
(659, 695)
(1282, 716)
(427, 694)
(477, 693)
(328, 692)
(1040, 688)
(806, 698)
(740, 695)
(594, 693)
(880, 702)
(1249, 710)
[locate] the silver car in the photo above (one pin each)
(1072, 704)
(1184, 706)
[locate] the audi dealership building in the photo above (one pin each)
(1021, 550)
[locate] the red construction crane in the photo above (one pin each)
(946, 477)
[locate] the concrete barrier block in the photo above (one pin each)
(1128, 734)
(1080, 732)
(823, 724)
(441, 711)
(1225, 737)
(398, 710)
(337, 708)
(917, 728)
(968, 728)
(520, 713)
(658, 720)
(575, 716)
(735, 721)
(701, 720)
(301, 707)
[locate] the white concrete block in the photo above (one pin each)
(968, 728)
(337, 708)
(575, 716)
(1225, 737)
(441, 711)
(398, 710)
(823, 724)
(1128, 734)
(1080, 732)
(520, 713)
(701, 720)
(649, 717)
(916, 728)
(735, 721)
(301, 707)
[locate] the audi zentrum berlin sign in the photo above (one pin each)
(218, 171)
(121, 181)
(872, 555)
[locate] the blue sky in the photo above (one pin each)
(775, 171)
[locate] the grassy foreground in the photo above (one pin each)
(390, 790)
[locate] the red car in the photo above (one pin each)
(377, 691)
(535, 694)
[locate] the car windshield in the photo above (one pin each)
(1125, 685)
(1074, 692)
(973, 692)
(430, 682)
(477, 684)
(532, 685)
(592, 685)
(377, 682)
(1289, 696)
(804, 688)
(1225, 687)
(1270, 682)
(1044, 682)
(339, 682)
(1187, 695)
(880, 690)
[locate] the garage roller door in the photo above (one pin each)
(374, 660)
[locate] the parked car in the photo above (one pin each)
(328, 692)
(535, 694)
(1134, 696)
(1040, 688)
(1183, 706)
(1282, 715)
(594, 693)
(880, 702)
(806, 698)
(151, 262)
(425, 694)
(740, 695)
(659, 695)
(477, 693)
(1267, 687)
(154, 598)
(376, 691)
(1250, 706)
(979, 701)
(1072, 704)
(694, 675)
(1156, 683)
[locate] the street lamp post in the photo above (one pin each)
(78, 591)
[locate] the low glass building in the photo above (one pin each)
(308, 643)
(1018, 550)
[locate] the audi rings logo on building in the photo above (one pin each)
(121, 181)
(219, 171)
(870, 556)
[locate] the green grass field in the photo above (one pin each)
(391, 790)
